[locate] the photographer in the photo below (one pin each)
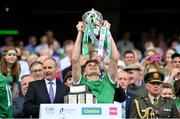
(175, 72)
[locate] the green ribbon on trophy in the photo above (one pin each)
(93, 29)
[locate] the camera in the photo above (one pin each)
(155, 58)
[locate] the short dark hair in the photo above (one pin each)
(175, 55)
(26, 75)
(35, 63)
(128, 52)
(91, 60)
(67, 75)
(82, 69)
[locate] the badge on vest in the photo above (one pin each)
(167, 110)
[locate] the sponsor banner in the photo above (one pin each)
(91, 111)
(80, 111)
(113, 111)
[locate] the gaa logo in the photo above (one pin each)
(50, 110)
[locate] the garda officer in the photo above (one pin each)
(153, 105)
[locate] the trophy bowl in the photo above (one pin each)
(98, 33)
(93, 17)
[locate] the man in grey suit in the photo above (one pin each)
(49, 90)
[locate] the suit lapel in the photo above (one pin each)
(44, 90)
(128, 100)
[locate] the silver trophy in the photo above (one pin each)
(94, 17)
(99, 35)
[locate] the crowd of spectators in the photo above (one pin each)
(28, 72)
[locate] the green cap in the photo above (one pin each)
(154, 77)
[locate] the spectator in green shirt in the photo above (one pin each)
(9, 72)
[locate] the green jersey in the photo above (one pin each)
(6, 98)
(103, 89)
(10, 78)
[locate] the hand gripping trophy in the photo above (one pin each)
(98, 33)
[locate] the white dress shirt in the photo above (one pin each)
(53, 85)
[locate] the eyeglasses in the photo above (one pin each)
(37, 70)
(11, 54)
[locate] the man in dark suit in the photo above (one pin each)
(18, 102)
(49, 90)
(153, 105)
(123, 81)
(119, 95)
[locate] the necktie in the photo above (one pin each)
(155, 101)
(51, 91)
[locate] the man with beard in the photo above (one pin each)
(103, 88)
(153, 105)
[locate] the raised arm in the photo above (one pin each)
(112, 69)
(76, 68)
(173, 74)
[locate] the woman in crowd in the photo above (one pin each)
(9, 76)
(168, 62)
